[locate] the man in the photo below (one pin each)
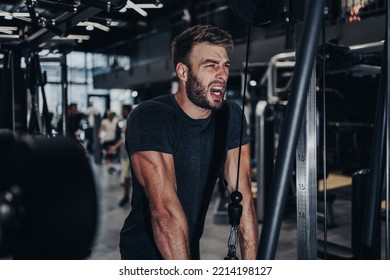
(107, 136)
(178, 145)
(124, 158)
(75, 119)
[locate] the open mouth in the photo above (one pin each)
(217, 91)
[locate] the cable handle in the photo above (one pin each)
(235, 208)
(232, 244)
(235, 212)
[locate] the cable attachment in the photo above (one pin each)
(235, 208)
(235, 212)
(232, 244)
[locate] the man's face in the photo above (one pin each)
(207, 76)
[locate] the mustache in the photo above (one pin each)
(218, 83)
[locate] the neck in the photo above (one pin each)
(190, 108)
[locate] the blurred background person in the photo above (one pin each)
(125, 173)
(91, 113)
(107, 137)
(75, 122)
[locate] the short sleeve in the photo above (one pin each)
(151, 127)
(234, 127)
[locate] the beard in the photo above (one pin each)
(197, 94)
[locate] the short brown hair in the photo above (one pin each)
(182, 45)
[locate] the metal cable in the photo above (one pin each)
(243, 104)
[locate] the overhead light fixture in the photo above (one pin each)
(140, 7)
(79, 37)
(132, 5)
(142, 23)
(114, 23)
(8, 29)
(20, 16)
(90, 25)
(73, 37)
(186, 15)
(151, 6)
(9, 36)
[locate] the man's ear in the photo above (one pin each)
(182, 71)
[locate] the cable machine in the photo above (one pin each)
(298, 142)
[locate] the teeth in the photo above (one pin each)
(216, 90)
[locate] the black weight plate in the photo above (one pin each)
(60, 200)
(7, 141)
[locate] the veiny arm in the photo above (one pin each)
(248, 228)
(156, 173)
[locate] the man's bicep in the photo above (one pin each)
(154, 171)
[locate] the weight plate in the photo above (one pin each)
(59, 198)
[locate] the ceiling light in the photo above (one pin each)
(20, 16)
(131, 5)
(16, 14)
(78, 37)
(150, 6)
(90, 25)
(186, 15)
(9, 36)
(8, 29)
(142, 23)
(73, 37)
(114, 23)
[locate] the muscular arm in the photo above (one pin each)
(155, 172)
(248, 228)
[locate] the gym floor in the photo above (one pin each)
(214, 241)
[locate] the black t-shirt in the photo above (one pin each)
(198, 147)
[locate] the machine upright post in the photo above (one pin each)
(306, 180)
(291, 128)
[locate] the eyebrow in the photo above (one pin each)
(209, 60)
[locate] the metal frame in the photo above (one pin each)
(290, 132)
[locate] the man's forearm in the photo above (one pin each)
(171, 236)
(248, 231)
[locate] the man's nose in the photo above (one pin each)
(223, 73)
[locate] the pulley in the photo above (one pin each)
(257, 12)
